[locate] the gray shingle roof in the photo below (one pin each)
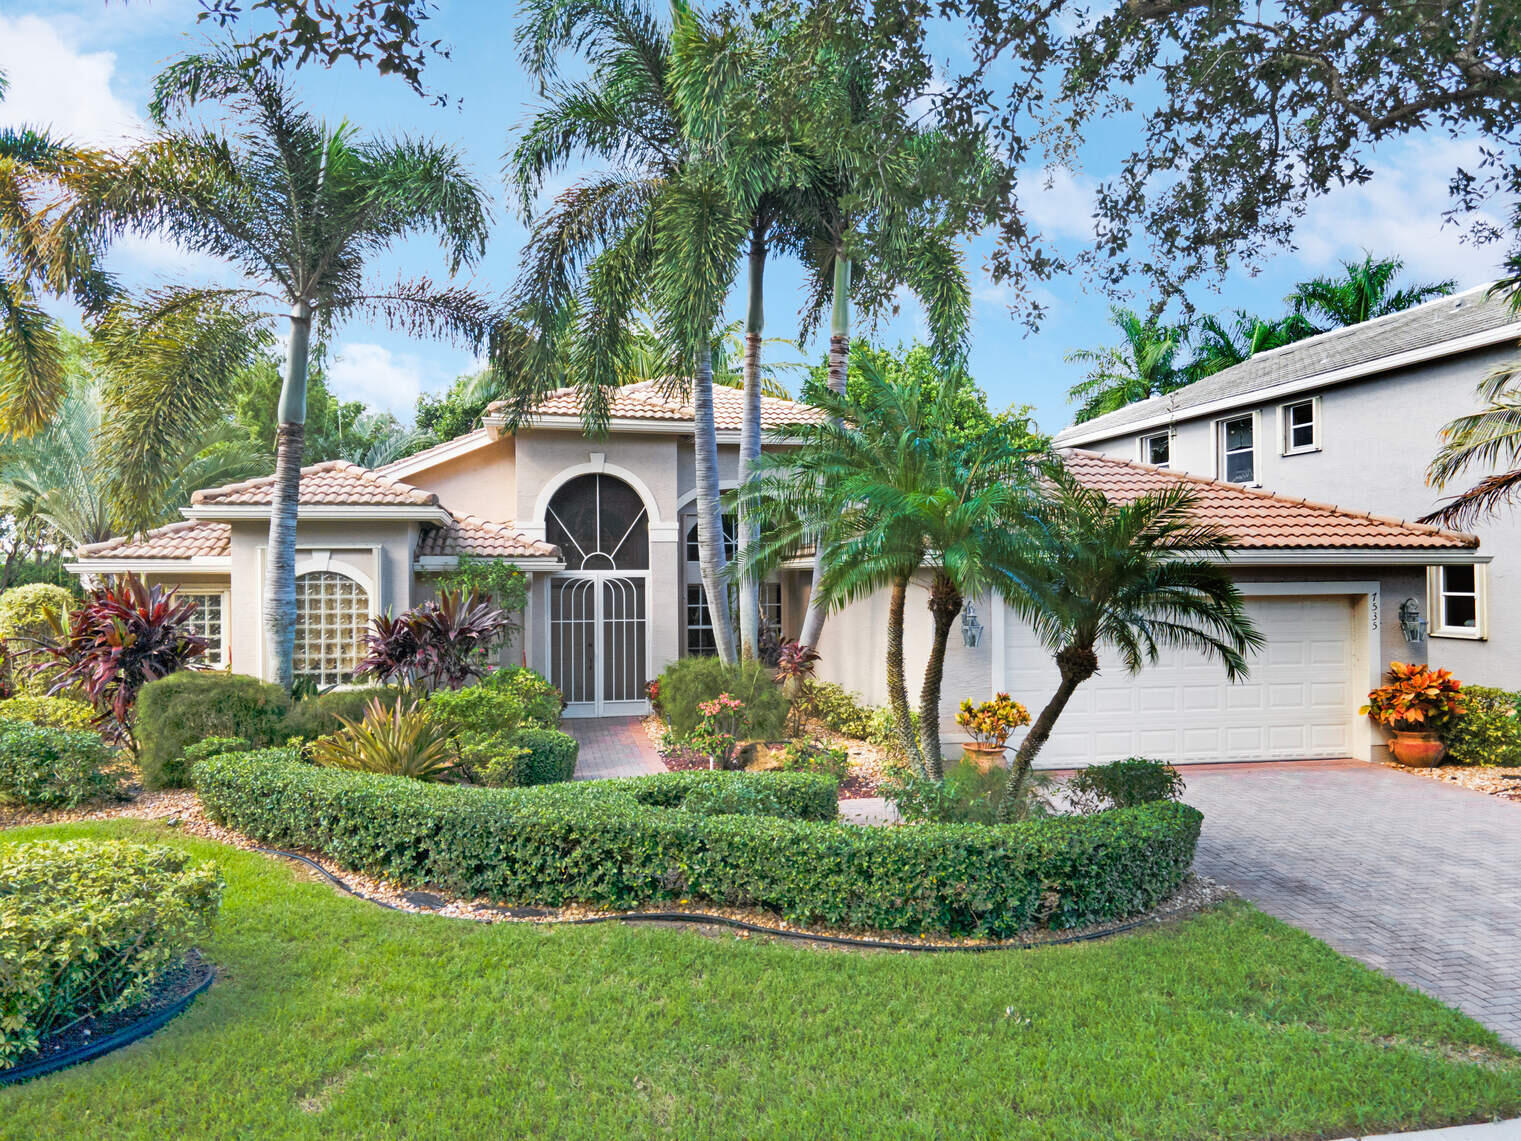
(1445, 319)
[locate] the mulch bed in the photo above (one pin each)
(1492, 780)
(176, 983)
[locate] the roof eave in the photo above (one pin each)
(147, 564)
(317, 512)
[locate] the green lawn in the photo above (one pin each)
(334, 1018)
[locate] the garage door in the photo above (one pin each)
(1299, 701)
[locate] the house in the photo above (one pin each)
(606, 530)
(1353, 416)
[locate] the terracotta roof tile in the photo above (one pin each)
(197, 538)
(1260, 519)
(467, 535)
(650, 400)
(335, 483)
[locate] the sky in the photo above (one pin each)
(84, 69)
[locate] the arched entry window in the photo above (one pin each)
(332, 619)
(731, 547)
(599, 523)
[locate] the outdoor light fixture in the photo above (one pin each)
(1411, 622)
(971, 629)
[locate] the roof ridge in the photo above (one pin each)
(1262, 493)
(347, 467)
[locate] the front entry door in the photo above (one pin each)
(599, 643)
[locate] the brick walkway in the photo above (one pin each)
(612, 747)
(1418, 879)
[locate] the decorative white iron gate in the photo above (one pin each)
(599, 642)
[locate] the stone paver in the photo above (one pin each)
(1415, 878)
(612, 747)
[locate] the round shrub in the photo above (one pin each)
(49, 712)
(540, 700)
(1487, 733)
(550, 757)
(29, 614)
(317, 716)
(689, 682)
(616, 843)
(54, 768)
(476, 709)
(90, 926)
(1123, 784)
(176, 712)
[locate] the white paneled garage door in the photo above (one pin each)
(1299, 701)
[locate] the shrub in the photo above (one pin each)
(49, 712)
(541, 701)
(30, 616)
(476, 709)
(551, 756)
(1123, 784)
(816, 757)
(90, 926)
(54, 768)
(214, 747)
(882, 731)
(747, 798)
(176, 712)
(839, 710)
(1487, 733)
(967, 795)
(396, 740)
(439, 644)
(689, 682)
(616, 844)
(325, 713)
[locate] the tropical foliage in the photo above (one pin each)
(1147, 364)
(399, 740)
(443, 643)
(991, 722)
(1416, 697)
(1363, 291)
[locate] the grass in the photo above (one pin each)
(333, 1018)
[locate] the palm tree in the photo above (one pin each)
(1143, 367)
(887, 485)
(38, 258)
(297, 207)
(1218, 346)
(1364, 291)
(1134, 577)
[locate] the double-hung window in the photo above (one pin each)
(1457, 601)
(1156, 450)
(1300, 422)
(1236, 449)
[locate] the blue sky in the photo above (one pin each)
(85, 68)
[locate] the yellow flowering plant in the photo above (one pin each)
(1417, 697)
(991, 722)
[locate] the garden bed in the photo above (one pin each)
(1492, 780)
(869, 764)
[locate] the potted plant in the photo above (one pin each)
(1416, 705)
(990, 724)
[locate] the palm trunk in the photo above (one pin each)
(839, 364)
(1076, 665)
(944, 604)
(280, 568)
(897, 688)
(710, 541)
(750, 443)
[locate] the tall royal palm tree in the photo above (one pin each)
(1365, 290)
(1135, 577)
(1219, 346)
(297, 208)
(1145, 365)
(889, 484)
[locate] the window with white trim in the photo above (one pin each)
(332, 621)
(730, 529)
(1237, 448)
(771, 607)
(206, 620)
(700, 639)
(1457, 601)
(1157, 450)
(1301, 426)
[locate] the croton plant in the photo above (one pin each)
(991, 722)
(1417, 698)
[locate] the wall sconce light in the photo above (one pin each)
(1411, 623)
(971, 629)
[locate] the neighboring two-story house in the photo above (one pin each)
(1353, 417)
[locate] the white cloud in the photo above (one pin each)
(374, 374)
(1059, 202)
(1399, 212)
(55, 85)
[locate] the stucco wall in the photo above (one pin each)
(1377, 437)
(481, 483)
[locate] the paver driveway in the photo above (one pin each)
(1419, 879)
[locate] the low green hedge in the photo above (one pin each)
(54, 768)
(626, 843)
(551, 755)
(318, 716)
(88, 927)
(50, 712)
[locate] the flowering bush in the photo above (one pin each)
(718, 734)
(991, 722)
(652, 691)
(1417, 697)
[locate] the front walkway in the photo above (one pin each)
(612, 747)
(1418, 879)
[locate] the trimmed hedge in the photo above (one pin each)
(318, 716)
(54, 768)
(551, 756)
(626, 843)
(186, 707)
(49, 712)
(89, 926)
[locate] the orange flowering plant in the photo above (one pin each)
(1417, 697)
(991, 722)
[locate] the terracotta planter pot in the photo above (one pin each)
(985, 756)
(1417, 750)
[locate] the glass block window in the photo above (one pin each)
(206, 621)
(332, 619)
